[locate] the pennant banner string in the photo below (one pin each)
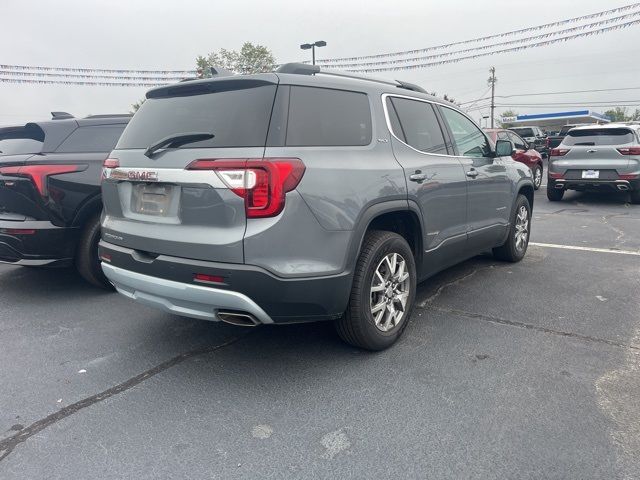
(483, 39)
(505, 50)
(483, 47)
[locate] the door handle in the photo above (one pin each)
(472, 173)
(417, 177)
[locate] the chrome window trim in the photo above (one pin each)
(390, 130)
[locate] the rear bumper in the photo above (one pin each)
(167, 283)
(582, 184)
(181, 299)
(36, 243)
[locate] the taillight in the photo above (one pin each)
(558, 152)
(547, 142)
(262, 183)
(39, 173)
(629, 151)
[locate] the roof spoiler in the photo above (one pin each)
(60, 115)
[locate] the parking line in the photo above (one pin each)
(586, 249)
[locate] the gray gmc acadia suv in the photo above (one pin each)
(303, 195)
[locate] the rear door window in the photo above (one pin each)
(237, 113)
(417, 125)
(326, 117)
(99, 138)
(599, 136)
(524, 132)
(467, 137)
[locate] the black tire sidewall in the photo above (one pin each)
(374, 336)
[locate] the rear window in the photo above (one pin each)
(418, 125)
(237, 118)
(92, 139)
(325, 117)
(599, 136)
(524, 132)
(19, 140)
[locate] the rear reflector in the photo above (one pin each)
(39, 173)
(105, 257)
(555, 175)
(629, 151)
(558, 152)
(262, 183)
(205, 278)
(17, 231)
(628, 176)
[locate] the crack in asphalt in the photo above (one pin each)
(427, 301)
(537, 328)
(618, 241)
(9, 444)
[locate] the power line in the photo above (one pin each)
(489, 37)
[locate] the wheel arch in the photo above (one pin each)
(88, 209)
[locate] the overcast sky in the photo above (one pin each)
(162, 34)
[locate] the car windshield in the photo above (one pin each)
(524, 132)
(237, 117)
(599, 136)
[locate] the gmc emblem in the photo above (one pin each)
(142, 176)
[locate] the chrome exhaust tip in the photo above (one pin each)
(239, 319)
(559, 186)
(623, 187)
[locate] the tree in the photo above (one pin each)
(618, 114)
(250, 59)
(506, 114)
(137, 105)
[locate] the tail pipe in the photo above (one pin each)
(241, 319)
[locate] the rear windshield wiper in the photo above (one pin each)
(177, 140)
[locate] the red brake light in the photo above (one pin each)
(39, 173)
(262, 183)
(558, 152)
(111, 163)
(629, 151)
(205, 278)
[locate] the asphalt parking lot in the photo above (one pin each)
(505, 371)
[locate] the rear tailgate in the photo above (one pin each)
(595, 150)
(154, 204)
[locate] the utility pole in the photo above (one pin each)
(492, 82)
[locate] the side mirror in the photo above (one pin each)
(504, 148)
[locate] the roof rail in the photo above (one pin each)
(60, 115)
(306, 69)
(111, 115)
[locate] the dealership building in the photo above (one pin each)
(555, 120)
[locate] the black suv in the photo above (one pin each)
(50, 200)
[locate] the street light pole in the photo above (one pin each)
(312, 47)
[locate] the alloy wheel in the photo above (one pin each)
(390, 289)
(522, 228)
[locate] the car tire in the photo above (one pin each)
(537, 177)
(635, 196)
(554, 194)
(385, 274)
(87, 260)
(515, 247)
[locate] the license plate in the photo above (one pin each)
(591, 174)
(151, 199)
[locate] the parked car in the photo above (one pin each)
(523, 152)
(555, 140)
(596, 157)
(301, 196)
(534, 136)
(50, 200)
